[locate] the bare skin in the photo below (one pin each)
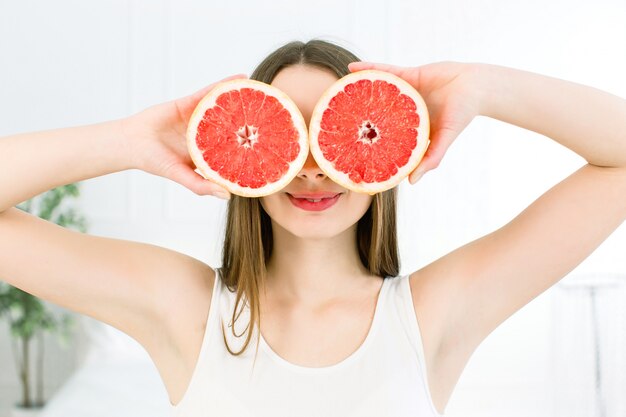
(459, 299)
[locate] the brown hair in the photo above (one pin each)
(248, 236)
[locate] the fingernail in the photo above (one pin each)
(222, 195)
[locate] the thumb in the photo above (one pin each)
(185, 176)
(366, 65)
(409, 74)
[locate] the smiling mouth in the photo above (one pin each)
(314, 204)
(314, 199)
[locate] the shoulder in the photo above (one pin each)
(444, 364)
(427, 302)
(183, 315)
(185, 303)
(431, 288)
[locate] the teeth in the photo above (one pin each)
(314, 201)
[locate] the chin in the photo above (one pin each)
(314, 234)
(313, 228)
(315, 225)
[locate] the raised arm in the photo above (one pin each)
(589, 121)
(33, 163)
(501, 272)
(152, 140)
(472, 290)
(125, 284)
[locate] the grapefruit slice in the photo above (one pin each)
(369, 130)
(247, 136)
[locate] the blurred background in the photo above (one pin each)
(70, 62)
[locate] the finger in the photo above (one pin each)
(430, 160)
(421, 169)
(423, 166)
(438, 146)
(185, 176)
(365, 65)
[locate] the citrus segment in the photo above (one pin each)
(369, 130)
(248, 137)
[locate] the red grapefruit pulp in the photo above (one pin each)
(248, 137)
(369, 130)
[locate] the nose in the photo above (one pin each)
(311, 170)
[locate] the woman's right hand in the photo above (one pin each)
(156, 138)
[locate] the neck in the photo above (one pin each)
(314, 271)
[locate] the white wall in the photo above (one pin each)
(70, 62)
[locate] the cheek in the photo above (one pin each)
(362, 202)
(270, 203)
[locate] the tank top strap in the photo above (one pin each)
(218, 288)
(212, 316)
(402, 300)
(200, 377)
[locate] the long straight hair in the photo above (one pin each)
(248, 240)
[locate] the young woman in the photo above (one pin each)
(339, 332)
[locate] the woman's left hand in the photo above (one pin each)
(452, 93)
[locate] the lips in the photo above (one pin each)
(314, 204)
(314, 196)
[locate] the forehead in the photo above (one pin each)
(304, 83)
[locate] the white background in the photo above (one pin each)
(68, 63)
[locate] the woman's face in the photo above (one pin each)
(305, 85)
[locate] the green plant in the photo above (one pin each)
(28, 315)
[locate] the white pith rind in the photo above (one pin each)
(208, 101)
(423, 131)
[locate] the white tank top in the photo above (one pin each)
(385, 376)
